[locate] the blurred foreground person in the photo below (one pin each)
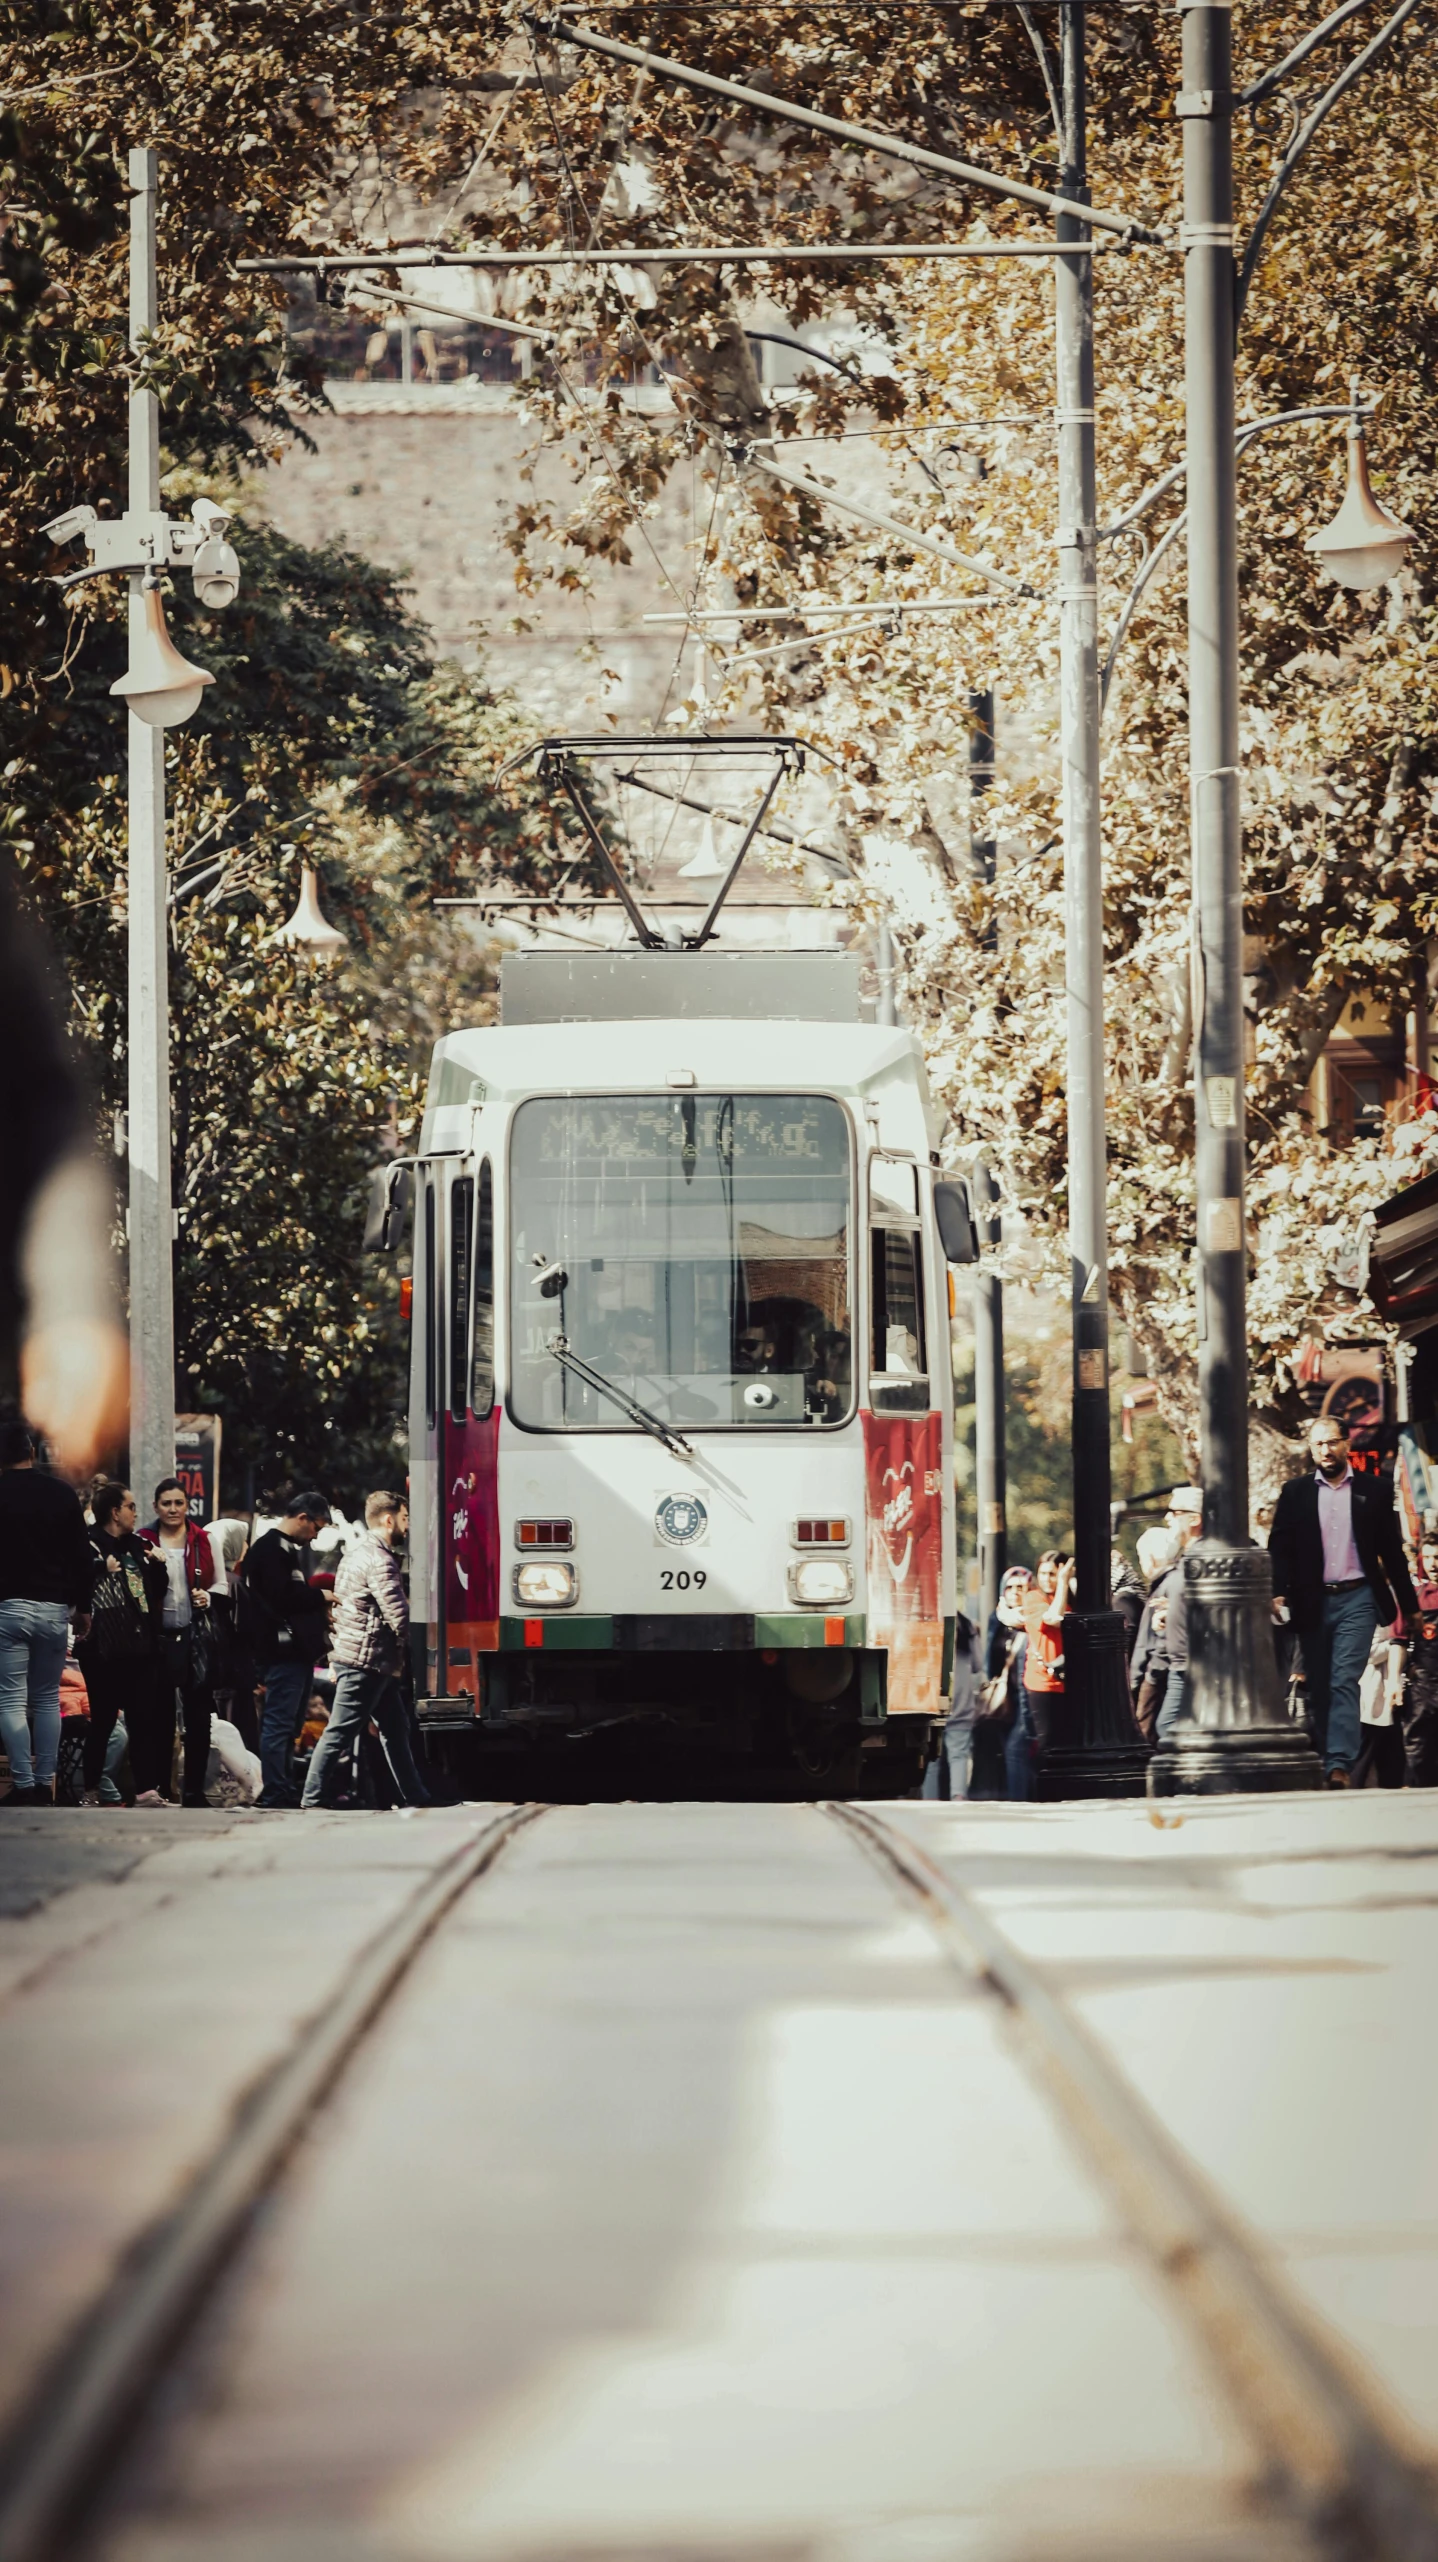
(47, 1570)
(57, 1289)
(371, 1632)
(120, 1658)
(286, 1623)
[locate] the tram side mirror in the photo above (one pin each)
(391, 1191)
(552, 1278)
(956, 1223)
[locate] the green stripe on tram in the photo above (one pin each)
(553, 1632)
(805, 1628)
(559, 1633)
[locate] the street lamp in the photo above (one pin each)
(160, 686)
(309, 929)
(161, 689)
(1366, 544)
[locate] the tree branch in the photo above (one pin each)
(1299, 146)
(1268, 81)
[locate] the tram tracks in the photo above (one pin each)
(53, 2458)
(1329, 2461)
(1332, 2459)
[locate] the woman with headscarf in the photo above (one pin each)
(997, 1703)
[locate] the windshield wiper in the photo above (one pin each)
(648, 1421)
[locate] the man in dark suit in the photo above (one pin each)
(1340, 1572)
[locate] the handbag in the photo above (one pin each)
(204, 1653)
(992, 1700)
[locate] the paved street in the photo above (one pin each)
(686, 2201)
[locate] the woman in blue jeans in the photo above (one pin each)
(47, 1571)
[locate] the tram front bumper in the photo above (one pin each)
(681, 1632)
(689, 1668)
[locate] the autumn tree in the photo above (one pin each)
(328, 736)
(1339, 738)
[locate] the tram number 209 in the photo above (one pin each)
(679, 1579)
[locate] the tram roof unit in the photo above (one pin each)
(870, 1063)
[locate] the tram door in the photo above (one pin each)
(457, 1534)
(903, 1445)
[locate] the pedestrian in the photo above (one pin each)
(948, 1773)
(46, 1574)
(1185, 1519)
(1148, 1670)
(1042, 1609)
(286, 1624)
(1420, 1686)
(1380, 1761)
(1340, 1574)
(1128, 1599)
(1285, 1642)
(998, 1702)
(371, 1635)
(186, 1654)
(120, 1658)
(233, 1668)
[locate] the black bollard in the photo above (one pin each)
(1095, 1747)
(1238, 1737)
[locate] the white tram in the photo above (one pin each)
(681, 1415)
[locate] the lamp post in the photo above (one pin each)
(160, 689)
(990, 1456)
(151, 1213)
(1095, 1747)
(1238, 1737)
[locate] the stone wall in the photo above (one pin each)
(422, 477)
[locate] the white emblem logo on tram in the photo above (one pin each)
(681, 1519)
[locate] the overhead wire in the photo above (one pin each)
(549, 358)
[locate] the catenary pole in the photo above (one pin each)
(990, 1457)
(152, 1307)
(990, 1464)
(1094, 1747)
(1237, 1736)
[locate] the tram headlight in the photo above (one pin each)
(549, 1583)
(818, 1583)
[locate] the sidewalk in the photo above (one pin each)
(156, 1971)
(1263, 1971)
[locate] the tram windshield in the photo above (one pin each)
(692, 1248)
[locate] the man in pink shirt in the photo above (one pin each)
(1340, 1572)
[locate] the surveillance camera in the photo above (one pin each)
(74, 522)
(214, 519)
(216, 572)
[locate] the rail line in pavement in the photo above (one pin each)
(54, 2454)
(1333, 2457)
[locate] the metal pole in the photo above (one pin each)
(1238, 1737)
(885, 1008)
(983, 852)
(990, 1457)
(152, 1312)
(1095, 1746)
